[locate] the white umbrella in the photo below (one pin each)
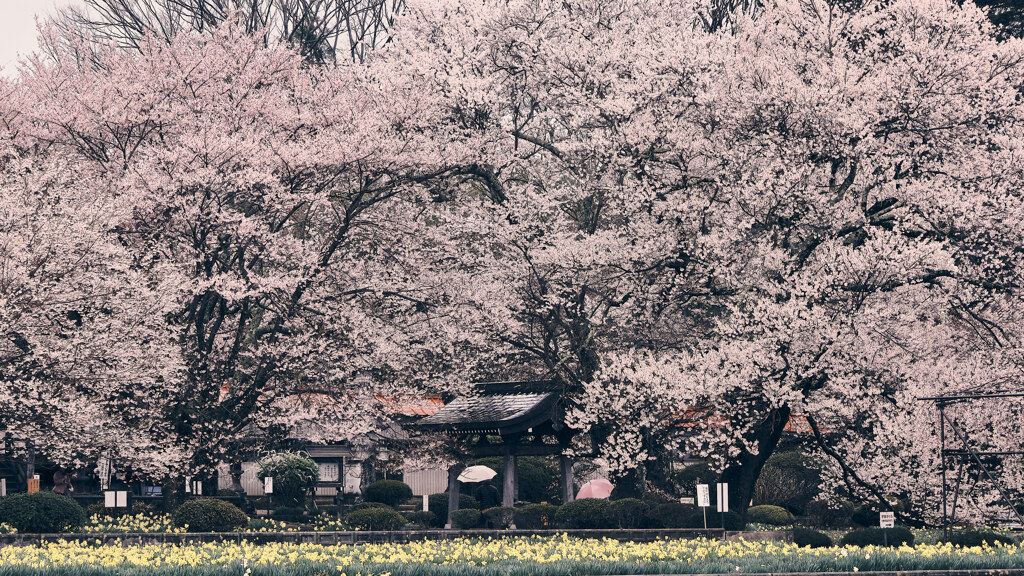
(477, 474)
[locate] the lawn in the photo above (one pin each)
(472, 557)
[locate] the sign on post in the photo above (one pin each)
(723, 497)
(887, 519)
(33, 485)
(268, 485)
(703, 495)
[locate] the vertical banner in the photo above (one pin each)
(723, 497)
(268, 485)
(188, 484)
(3, 487)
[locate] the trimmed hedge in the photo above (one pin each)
(464, 519)
(628, 513)
(422, 518)
(536, 516)
(583, 514)
(390, 492)
(670, 515)
(375, 519)
(499, 517)
(876, 537)
(768, 514)
(438, 504)
(289, 513)
(209, 515)
(367, 505)
(41, 512)
(972, 538)
(813, 538)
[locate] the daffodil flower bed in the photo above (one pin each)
(554, 556)
(144, 523)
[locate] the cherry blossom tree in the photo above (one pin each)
(700, 233)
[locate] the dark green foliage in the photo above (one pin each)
(365, 505)
(422, 518)
(536, 516)
(771, 515)
(538, 477)
(808, 537)
(289, 513)
(628, 513)
(41, 512)
(789, 479)
(98, 509)
(390, 492)
(669, 515)
(865, 515)
(209, 515)
(464, 519)
(583, 514)
(375, 519)
(687, 479)
(875, 537)
(438, 504)
(498, 518)
(978, 538)
(294, 476)
(732, 520)
(821, 513)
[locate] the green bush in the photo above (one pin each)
(628, 513)
(669, 515)
(365, 505)
(536, 516)
(771, 515)
(686, 480)
(289, 513)
(789, 479)
(375, 519)
(808, 537)
(41, 512)
(390, 492)
(876, 537)
(824, 514)
(865, 515)
(422, 518)
(99, 509)
(209, 515)
(499, 517)
(438, 504)
(971, 538)
(732, 520)
(586, 513)
(465, 518)
(294, 476)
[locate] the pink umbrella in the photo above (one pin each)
(599, 488)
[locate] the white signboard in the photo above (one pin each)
(686, 500)
(109, 499)
(188, 484)
(198, 488)
(268, 485)
(723, 497)
(3, 487)
(122, 499)
(703, 495)
(887, 519)
(329, 472)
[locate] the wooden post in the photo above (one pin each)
(33, 485)
(453, 494)
(508, 492)
(568, 489)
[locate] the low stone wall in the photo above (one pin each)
(397, 536)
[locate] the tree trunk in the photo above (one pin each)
(742, 474)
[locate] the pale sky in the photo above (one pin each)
(18, 28)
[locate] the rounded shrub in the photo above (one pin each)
(876, 537)
(209, 515)
(536, 516)
(438, 504)
(41, 512)
(375, 519)
(768, 514)
(588, 513)
(970, 538)
(365, 505)
(423, 518)
(465, 518)
(294, 476)
(628, 513)
(499, 517)
(390, 492)
(669, 515)
(289, 513)
(809, 537)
